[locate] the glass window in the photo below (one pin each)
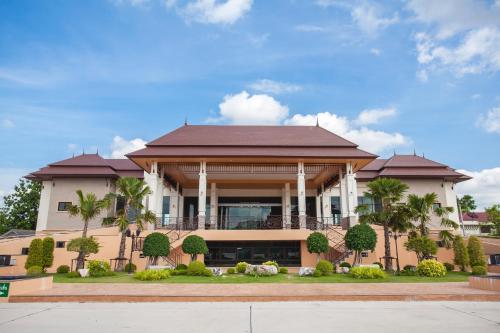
(60, 244)
(373, 205)
(436, 205)
(63, 206)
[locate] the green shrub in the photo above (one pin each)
(461, 256)
(241, 267)
(479, 270)
(99, 268)
(48, 252)
(72, 275)
(325, 267)
(317, 243)
(476, 252)
(152, 275)
(283, 270)
(156, 245)
(409, 270)
(35, 254)
(231, 270)
(449, 267)
(367, 273)
(86, 245)
(317, 273)
(63, 269)
(196, 268)
(181, 267)
(207, 272)
(379, 264)
(176, 272)
(194, 245)
(423, 246)
(34, 271)
(130, 267)
(272, 263)
(431, 268)
(345, 264)
(360, 238)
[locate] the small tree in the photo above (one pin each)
(460, 252)
(476, 252)
(360, 238)
(156, 245)
(423, 246)
(194, 245)
(467, 203)
(493, 213)
(84, 246)
(48, 252)
(317, 243)
(35, 254)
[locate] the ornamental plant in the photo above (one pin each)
(272, 263)
(194, 245)
(34, 271)
(449, 267)
(83, 245)
(461, 258)
(63, 269)
(156, 245)
(325, 267)
(431, 268)
(423, 246)
(479, 270)
(197, 268)
(35, 254)
(360, 238)
(152, 275)
(241, 267)
(317, 243)
(98, 268)
(367, 273)
(48, 252)
(476, 253)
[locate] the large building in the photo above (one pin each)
(253, 192)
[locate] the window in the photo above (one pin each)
(63, 206)
(373, 205)
(24, 251)
(60, 244)
(4, 260)
(436, 205)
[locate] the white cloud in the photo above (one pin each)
(8, 179)
(216, 12)
(121, 146)
(310, 28)
(374, 116)
(244, 108)
(135, 3)
(371, 140)
(7, 123)
(274, 87)
(476, 96)
(370, 19)
(484, 186)
(490, 121)
(375, 51)
(422, 75)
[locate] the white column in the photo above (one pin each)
(202, 195)
(155, 183)
(213, 206)
(327, 205)
(283, 208)
(288, 205)
(318, 207)
(301, 194)
(348, 195)
(43, 208)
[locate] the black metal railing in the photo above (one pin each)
(178, 223)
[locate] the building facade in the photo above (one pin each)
(254, 193)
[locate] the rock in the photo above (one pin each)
(345, 270)
(261, 270)
(83, 272)
(216, 271)
(306, 271)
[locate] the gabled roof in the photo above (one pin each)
(88, 165)
(475, 216)
(408, 166)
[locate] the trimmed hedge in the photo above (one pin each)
(283, 270)
(63, 269)
(231, 270)
(152, 275)
(479, 270)
(156, 245)
(241, 267)
(367, 273)
(325, 267)
(34, 271)
(35, 254)
(197, 268)
(431, 268)
(48, 252)
(98, 268)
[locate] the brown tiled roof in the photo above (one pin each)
(475, 216)
(88, 165)
(408, 166)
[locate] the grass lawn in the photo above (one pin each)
(280, 278)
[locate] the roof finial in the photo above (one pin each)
(414, 152)
(185, 121)
(317, 120)
(97, 151)
(423, 155)
(83, 149)
(73, 154)
(394, 152)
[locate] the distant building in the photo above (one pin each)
(476, 224)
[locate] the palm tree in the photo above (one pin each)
(389, 192)
(88, 208)
(423, 208)
(133, 191)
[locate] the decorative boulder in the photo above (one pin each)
(84, 272)
(343, 270)
(261, 270)
(216, 271)
(306, 271)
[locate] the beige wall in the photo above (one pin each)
(64, 189)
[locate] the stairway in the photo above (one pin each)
(338, 251)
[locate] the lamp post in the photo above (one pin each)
(133, 235)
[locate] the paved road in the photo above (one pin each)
(301, 317)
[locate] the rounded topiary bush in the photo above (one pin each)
(345, 264)
(194, 245)
(34, 271)
(130, 267)
(283, 270)
(98, 268)
(231, 270)
(431, 268)
(360, 238)
(367, 273)
(317, 243)
(181, 267)
(196, 268)
(241, 267)
(449, 267)
(63, 269)
(317, 273)
(479, 270)
(156, 245)
(325, 267)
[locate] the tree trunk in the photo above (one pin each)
(194, 257)
(80, 260)
(121, 253)
(387, 245)
(318, 257)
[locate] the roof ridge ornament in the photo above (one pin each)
(317, 120)
(185, 121)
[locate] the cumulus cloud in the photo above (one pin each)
(463, 36)
(120, 146)
(370, 18)
(274, 87)
(246, 109)
(8, 179)
(375, 51)
(484, 186)
(371, 140)
(7, 123)
(216, 12)
(490, 121)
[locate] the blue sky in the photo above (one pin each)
(389, 75)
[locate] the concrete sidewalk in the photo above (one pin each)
(152, 292)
